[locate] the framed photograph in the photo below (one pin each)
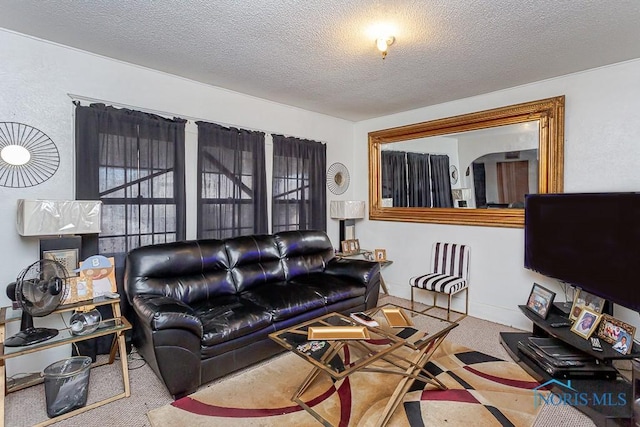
(585, 299)
(586, 322)
(65, 250)
(380, 254)
(612, 330)
(67, 257)
(356, 242)
(624, 343)
(540, 300)
(344, 245)
(352, 245)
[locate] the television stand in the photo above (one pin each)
(599, 398)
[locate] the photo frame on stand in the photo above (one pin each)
(612, 330)
(540, 300)
(586, 323)
(69, 259)
(380, 255)
(585, 299)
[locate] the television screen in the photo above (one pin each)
(589, 240)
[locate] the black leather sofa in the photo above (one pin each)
(204, 308)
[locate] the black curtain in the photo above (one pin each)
(394, 177)
(232, 187)
(134, 163)
(419, 180)
(441, 182)
(299, 199)
(480, 185)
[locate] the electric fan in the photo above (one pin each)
(39, 290)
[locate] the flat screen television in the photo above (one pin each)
(588, 240)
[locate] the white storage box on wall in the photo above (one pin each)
(58, 217)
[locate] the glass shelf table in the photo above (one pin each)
(116, 326)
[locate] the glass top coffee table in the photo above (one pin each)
(401, 344)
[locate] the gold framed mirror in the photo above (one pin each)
(475, 168)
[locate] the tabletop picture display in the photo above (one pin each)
(540, 300)
(586, 323)
(617, 333)
(585, 299)
(380, 254)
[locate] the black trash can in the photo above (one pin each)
(66, 385)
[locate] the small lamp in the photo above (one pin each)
(347, 211)
(461, 197)
(69, 218)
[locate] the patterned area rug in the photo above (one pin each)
(483, 391)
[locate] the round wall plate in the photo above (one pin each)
(454, 174)
(28, 157)
(338, 178)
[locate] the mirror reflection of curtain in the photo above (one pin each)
(419, 184)
(480, 185)
(394, 177)
(513, 181)
(441, 181)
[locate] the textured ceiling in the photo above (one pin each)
(319, 54)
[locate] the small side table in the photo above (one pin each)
(115, 326)
(361, 253)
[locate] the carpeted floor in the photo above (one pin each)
(27, 407)
(482, 390)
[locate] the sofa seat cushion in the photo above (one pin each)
(284, 300)
(229, 317)
(331, 288)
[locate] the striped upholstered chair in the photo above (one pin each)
(449, 275)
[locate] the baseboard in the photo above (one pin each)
(511, 316)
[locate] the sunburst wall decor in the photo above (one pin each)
(28, 156)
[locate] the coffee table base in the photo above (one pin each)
(412, 370)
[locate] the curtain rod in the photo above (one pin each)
(166, 114)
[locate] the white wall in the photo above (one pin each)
(36, 78)
(602, 153)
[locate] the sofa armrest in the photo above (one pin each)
(160, 313)
(365, 272)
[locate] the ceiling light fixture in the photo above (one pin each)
(383, 44)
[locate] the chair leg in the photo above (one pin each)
(449, 308)
(466, 293)
(412, 288)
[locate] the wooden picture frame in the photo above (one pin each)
(344, 246)
(68, 258)
(357, 244)
(380, 255)
(586, 323)
(585, 299)
(612, 330)
(540, 300)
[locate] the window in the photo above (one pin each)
(232, 189)
(134, 163)
(299, 191)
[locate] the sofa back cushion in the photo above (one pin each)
(304, 251)
(189, 271)
(254, 261)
